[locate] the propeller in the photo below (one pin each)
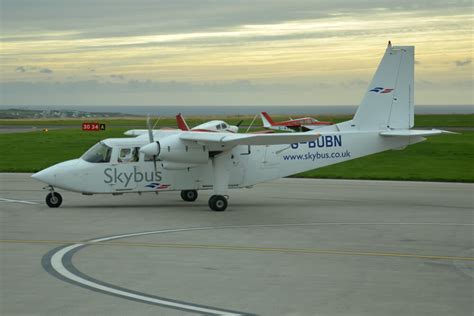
(238, 124)
(153, 148)
(150, 129)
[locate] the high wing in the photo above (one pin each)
(230, 140)
(414, 132)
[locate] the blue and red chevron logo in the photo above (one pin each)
(381, 90)
(157, 186)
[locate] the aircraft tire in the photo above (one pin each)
(189, 195)
(218, 203)
(54, 199)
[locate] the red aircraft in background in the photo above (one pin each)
(299, 124)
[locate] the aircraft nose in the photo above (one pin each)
(47, 176)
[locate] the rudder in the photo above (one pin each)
(389, 101)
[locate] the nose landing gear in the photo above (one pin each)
(53, 199)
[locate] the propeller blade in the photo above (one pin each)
(238, 124)
(150, 130)
(156, 123)
(154, 161)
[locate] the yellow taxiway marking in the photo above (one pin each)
(241, 248)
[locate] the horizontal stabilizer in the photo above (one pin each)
(414, 132)
(248, 139)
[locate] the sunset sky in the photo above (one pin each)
(115, 52)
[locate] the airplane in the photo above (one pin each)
(211, 126)
(299, 124)
(187, 161)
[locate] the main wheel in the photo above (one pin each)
(218, 203)
(54, 199)
(189, 195)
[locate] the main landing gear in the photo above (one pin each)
(53, 199)
(218, 203)
(189, 195)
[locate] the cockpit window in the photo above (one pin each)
(98, 153)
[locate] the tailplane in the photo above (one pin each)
(388, 103)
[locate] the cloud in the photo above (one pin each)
(461, 63)
(121, 77)
(98, 18)
(24, 69)
(354, 83)
(238, 92)
(45, 71)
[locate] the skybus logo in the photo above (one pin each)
(112, 175)
(381, 90)
(322, 142)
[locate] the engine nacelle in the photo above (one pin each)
(173, 149)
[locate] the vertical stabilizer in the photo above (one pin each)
(182, 125)
(266, 119)
(388, 103)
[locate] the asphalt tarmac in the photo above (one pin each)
(289, 247)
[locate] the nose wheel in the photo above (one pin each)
(54, 199)
(218, 203)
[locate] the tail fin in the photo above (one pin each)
(389, 101)
(266, 119)
(181, 123)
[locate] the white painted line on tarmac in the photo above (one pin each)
(16, 201)
(60, 262)
(57, 264)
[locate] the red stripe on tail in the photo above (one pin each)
(181, 123)
(269, 119)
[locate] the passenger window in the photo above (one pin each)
(218, 126)
(128, 155)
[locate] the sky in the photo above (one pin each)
(227, 52)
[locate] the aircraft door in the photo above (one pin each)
(270, 161)
(240, 157)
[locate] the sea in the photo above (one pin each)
(168, 110)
